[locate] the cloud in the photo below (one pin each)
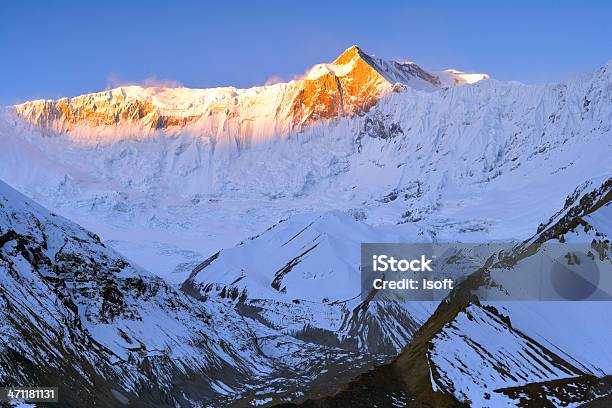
(153, 81)
(114, 81)
(274, 79)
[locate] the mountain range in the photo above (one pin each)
(218, 259)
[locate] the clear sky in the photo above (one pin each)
(58, 48)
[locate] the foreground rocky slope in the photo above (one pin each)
(477, 353)
(77, 315)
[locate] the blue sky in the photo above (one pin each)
(50, 49)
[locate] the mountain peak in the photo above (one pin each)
(352, 83)
(348, 55)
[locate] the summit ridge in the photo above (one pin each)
(351, 84)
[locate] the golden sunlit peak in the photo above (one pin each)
(348, 54)
(353, 83)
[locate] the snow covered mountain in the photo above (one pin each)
(444, 160)
(301, 276)
(192, 185)
(353, 83)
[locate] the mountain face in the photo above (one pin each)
(444, 160)
(77, 315)
(243, 309)
(351, 84)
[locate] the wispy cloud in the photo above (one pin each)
(114, 81)
(274, 79)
